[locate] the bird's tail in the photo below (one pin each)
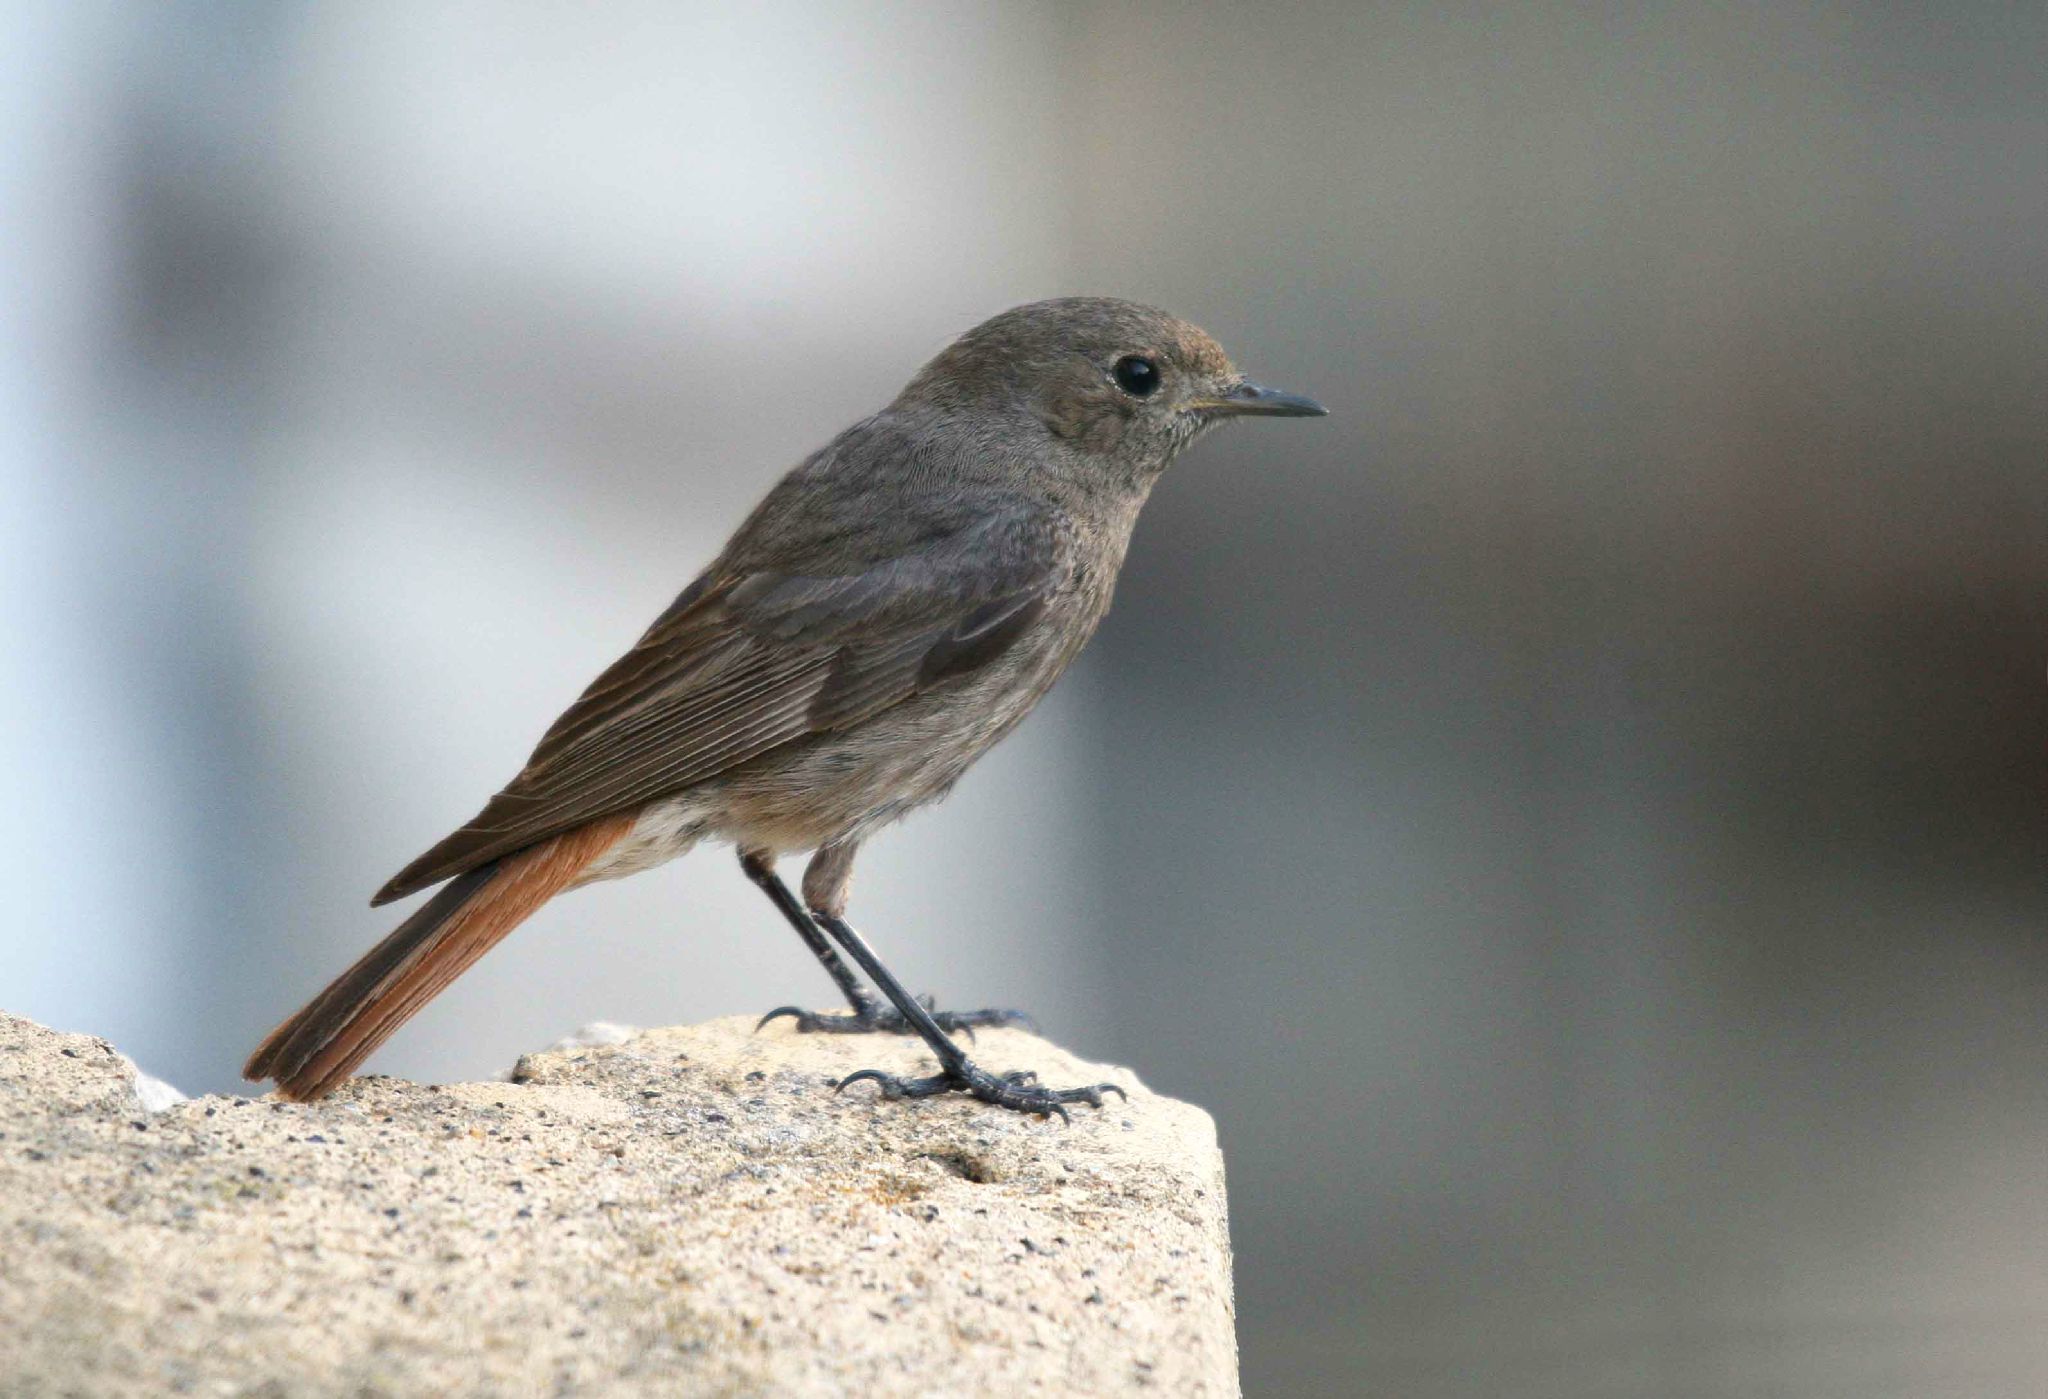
(324, 1042)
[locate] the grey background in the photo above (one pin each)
(1575, 815)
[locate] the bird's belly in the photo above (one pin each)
(843, 786)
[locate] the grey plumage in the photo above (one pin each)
(895, 605)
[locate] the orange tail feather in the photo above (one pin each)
(323, 1044)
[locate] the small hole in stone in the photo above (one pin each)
(965, 1165)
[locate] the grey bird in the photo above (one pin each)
(894, 607)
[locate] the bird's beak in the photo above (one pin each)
(1250, 400)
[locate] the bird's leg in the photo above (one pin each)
(825, 884)
(866, 1009)
(957, 1073)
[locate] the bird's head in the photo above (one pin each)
(1107, 379)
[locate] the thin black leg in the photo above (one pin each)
(958, 1073)
(869, 1015)
(770, 883)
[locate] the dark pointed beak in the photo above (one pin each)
(1256, 401)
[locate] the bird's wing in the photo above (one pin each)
(745, 661)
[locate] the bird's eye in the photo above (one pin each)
(1136, 375)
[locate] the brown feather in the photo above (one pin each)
(744, 662)
(325, 1042)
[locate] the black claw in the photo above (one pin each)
(885, 1080)
(893, 1087)
(797, 1011)
(874, 1020)
(1017, 1091)
(986, 1019)
(860, 1022)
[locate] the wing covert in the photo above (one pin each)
(746, 661)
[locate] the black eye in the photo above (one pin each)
(1136, 376)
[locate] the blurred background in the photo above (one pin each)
(1575, 815)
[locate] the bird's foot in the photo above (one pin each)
(876, 1019)
(1019, 1092)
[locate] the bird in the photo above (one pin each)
(892, 608)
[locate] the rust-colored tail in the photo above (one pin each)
(323, 1043)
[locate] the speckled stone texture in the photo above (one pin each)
(689, 1211)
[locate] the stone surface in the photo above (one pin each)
(687, 1211)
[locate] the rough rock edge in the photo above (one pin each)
(688, 1211)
